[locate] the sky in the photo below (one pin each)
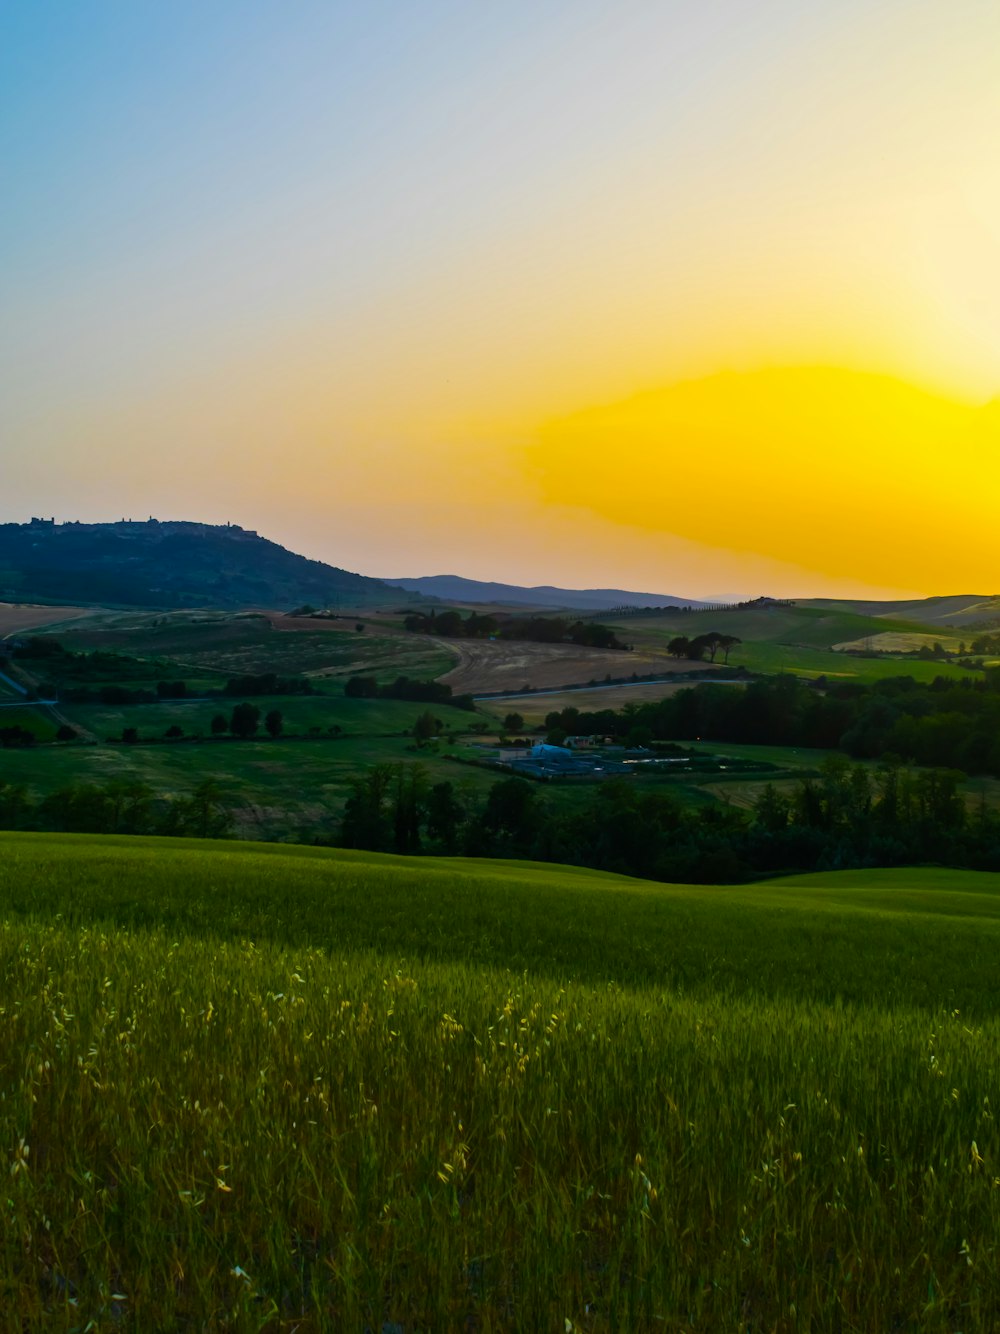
(692, 298)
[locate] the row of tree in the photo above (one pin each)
(404, 687)
(538, 629)
(849, 816)
(952, 722)
(710, 644)
(122, 806)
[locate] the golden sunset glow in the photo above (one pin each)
(826, 468)
(527, 294)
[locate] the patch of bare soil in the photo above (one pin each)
(16, 616)
(486, 665)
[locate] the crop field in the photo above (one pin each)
(486, 666)
(229, 644)
(266, 1088)
(16, 617)
(899, 641)
(534, 707)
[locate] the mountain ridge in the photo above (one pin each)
(456, 587)
(172, 564)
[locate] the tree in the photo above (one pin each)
(366, 817)
(444, 814)
(772, 810)
(244, 721)
(173, 732)
(219, 724)
(425, 727)
(727, 643)
(513, 723)
(361, 687)
(67, 733)
(408, 807)
(201, 815)
(130, 735)
(510, 810)
(274, 724)
(678, 646)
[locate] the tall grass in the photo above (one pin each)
(203, 1132)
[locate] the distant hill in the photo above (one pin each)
(453, 588)
(956, 609)
(170, 564)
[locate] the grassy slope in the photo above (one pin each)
(274, 787)
(491, 1096)
(31, 719)
(791, 639)
(226, 644)
(950, 610)
(567, 921)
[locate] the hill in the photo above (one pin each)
(956, 609)
(170, 564)
(561, 921)
(454, 588)
(256, 1088)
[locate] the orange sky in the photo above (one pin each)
(530, 293)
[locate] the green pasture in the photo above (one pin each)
(567, 922)
(795, 639)
(378, 717)
(959, 610)
(288, 788)
(535, 707)
(260, 1088)
(32, 718)
(231, 644)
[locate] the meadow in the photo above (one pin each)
(796, 639)
(255, 1088)
(230, 643)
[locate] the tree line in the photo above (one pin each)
(950, 723)
(848, 816)
(538, 629)
(405, 687)
(711, 644)
(121, 806)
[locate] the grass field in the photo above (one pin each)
(263, 1089)
(534, 708)
(292, 788)
(32, 719)
(795, 639)
(230, 643)
(955, 610)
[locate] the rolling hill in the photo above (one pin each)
(251, 1088)
(171, 564)
(454, 588)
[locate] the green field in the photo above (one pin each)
(291, 788)
(31, 718)
(266, 1088)
(228, 644)
(795, 639)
